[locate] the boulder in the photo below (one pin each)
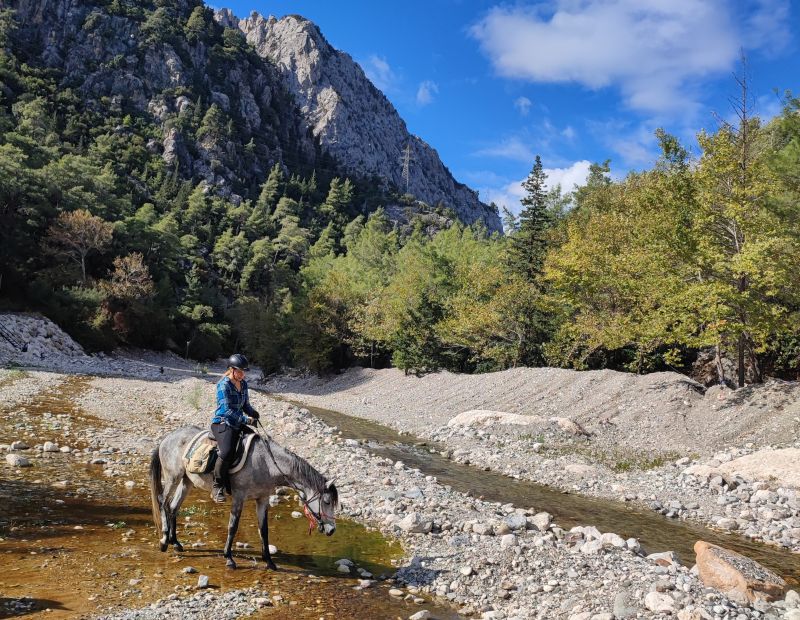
(49, 446)
(542, 521)
(414, 524)
(665, 558)
(739, 578)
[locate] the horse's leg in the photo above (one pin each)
(167, 520)
(175, 506)
(262, 510)
(233, 525)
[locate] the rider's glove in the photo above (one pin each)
(248, 420)
(256, 416)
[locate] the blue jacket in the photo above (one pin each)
(232, 405)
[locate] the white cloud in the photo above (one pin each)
(379, 72)
(569, 133)
(523, 104)
(510, 148)
(509, 194)
(426, 92)
(654, 51)
(568, 177)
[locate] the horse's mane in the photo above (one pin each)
(303, 470)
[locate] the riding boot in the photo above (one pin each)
(218, 487)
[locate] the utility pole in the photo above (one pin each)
(406, 160)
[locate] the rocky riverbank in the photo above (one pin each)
(659, 440)
(483, 558)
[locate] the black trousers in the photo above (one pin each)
(227, 438)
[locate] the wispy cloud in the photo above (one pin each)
(523, 105)
(510, 148)
(654, 52)
(379, 72)
(426, 92)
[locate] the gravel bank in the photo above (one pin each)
(658, 440)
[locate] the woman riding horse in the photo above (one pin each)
(233, 413)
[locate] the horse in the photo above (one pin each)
(267, 466)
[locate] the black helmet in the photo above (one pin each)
(237, 360)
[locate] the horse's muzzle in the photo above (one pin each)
(328, 529)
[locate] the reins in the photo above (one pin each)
(314, 519)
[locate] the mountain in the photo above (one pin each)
(351, 118)
(225, 112)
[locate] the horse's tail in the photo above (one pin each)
(156, 488)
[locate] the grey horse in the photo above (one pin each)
(267, 467)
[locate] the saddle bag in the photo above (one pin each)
(202, 456)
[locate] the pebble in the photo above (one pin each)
(17, 460)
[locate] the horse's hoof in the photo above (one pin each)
(163, 546)
(271, 565)
(178, 547)
(230, 564)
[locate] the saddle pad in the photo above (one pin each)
(241, 452)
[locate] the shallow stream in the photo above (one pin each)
(654, 532)
(75, 542)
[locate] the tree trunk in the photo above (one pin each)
(741, 350)
(83, 267)
(718, 362)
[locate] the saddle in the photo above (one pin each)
(201, 454)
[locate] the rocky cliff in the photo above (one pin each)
(352, 119)
(218, 110)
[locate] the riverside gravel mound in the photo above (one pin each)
(662, 412)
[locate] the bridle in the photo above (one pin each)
(315, 519)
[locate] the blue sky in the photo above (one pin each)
(491, 84)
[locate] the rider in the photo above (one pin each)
(233, 413)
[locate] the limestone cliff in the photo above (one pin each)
(352, 119)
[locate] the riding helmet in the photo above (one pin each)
(237, 360)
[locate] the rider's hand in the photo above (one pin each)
(248, 420)
(256, 416)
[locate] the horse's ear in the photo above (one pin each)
(329, 483)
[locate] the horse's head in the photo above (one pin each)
(320, 509)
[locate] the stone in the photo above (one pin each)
(590, 547)
(665, 558)
(483, 529)
(65, 449)
(739, 578)
(19, 445)
(49, 446)
(516, 522)
(395, 592)
(272, 549)
(414, 524)
(262, 601)
(509, 540)
(16, 460)
(609, 539)
(792, 599)
(542, 521)
(129, 484)
(603, 616)
(422, 614)
(465, 570)
(296, 514)
(202, 582)
(658, 602)
(343, 568)
(189, 570)
(694, 614)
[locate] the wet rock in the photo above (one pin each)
(202, 582)
(49, 446)
(395, 592)
(189, 570)
(15, 460)
(423, 614)
(19, 445)
(739, 578)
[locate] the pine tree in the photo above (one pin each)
(529, 243)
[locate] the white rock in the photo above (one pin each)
(609, 539)
(465, 570)
(659, 602)
(423, 614)
(509, 540)
(542, 521)
(49, 446)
